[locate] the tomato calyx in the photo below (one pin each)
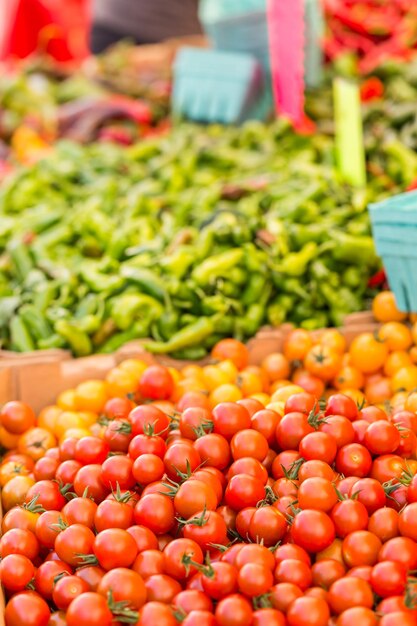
(124, 428)
(183, 476)
(149, 429)
(316, 417)
(390, 486)
(203, 429)
(121, 496)
(269, 499)
(406, 476)
(292, 472)
(410, 598)
(87, 559)
(103, 420)
(179, 614)
(58, 577)
(199, 520)
(65, 490)
(262, 602)
(122, 610)
(206, 570)
(295, 510)
(32, 506)
(60, 525)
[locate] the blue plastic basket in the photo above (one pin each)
(245, 32)
(394, 225)
(213, 10)
(214, 86)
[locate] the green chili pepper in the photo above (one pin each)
(44, 295)
(225, 325)
(353, 250)
(8, 306)
(100, 282)
(190, 354)
(167, 323)
(148, 281)
(78, 340)
(117, 341)
(35, 321)
(277, 311)
(21, 259)
(217, 266)
(187, 337)
(179, 262)
(320, 320)
(52, 342)
(130, 306)
(20, 336)
(295, 264)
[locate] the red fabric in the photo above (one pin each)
(56, 27)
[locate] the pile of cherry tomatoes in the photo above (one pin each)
(222, 495)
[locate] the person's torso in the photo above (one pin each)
(148, 21)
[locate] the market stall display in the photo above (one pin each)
(235, 493)
(207, 404)
(208, 233)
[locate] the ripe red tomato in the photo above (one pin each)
(308, 611)
(221, 581)
(382, 437)
(116, 472)
(348, 516)
(88, 481)
(17, 417)
(74, 542)
(353, 460)
(340, 404)
(317, 493)
(312, 530)
(46, 574)
(361, 548)
(113, 514)
(125, 586)
(191, 600)
(349, 592)
(156, 512)
(16, 571)
(388, 579)
(230, 418)
(91, 450)
(80, 511)
(156, 383)
(177, 555)
(206, 528)
(244, 490)
(319, 446)
(148, 420)
(268, 525)
(249, 443)
(370, 493)
(89, 608)
(114, 547)
(19, 541)
(49, 495)
(295, 572)
(234, 610)
(254, 579)
(27, 608)
(68, 588)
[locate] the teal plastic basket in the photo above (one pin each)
(394, 226)
(213, 10)
(223, 87)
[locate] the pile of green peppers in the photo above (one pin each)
(206, 233)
